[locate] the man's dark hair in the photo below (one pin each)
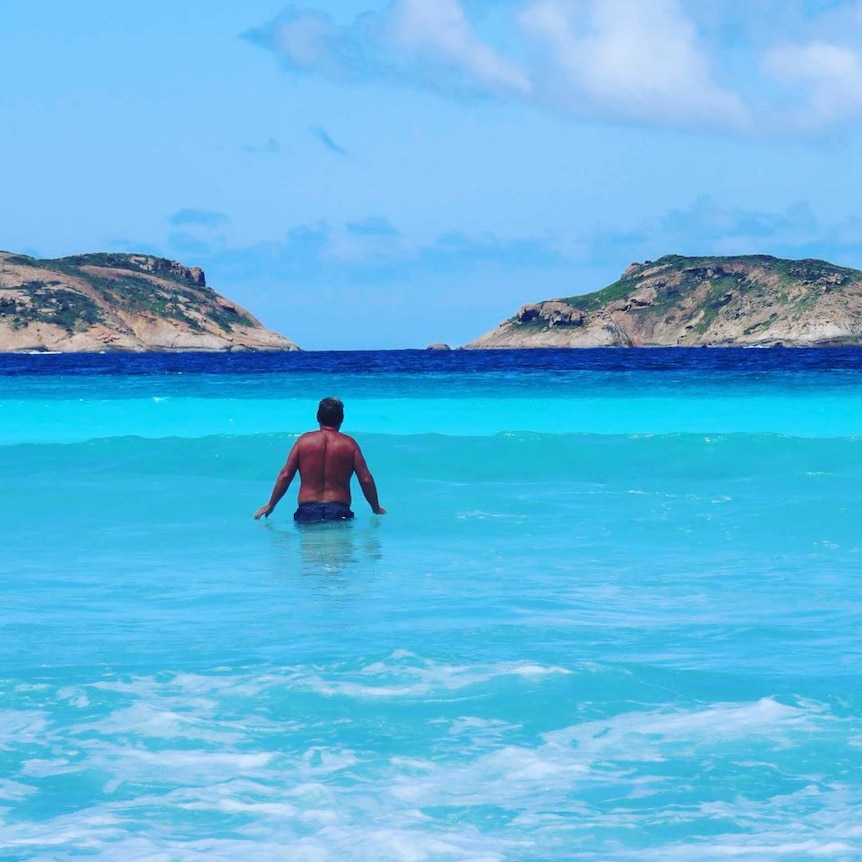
(330, 412)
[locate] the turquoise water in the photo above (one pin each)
(613, 612)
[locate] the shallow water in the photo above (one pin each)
(613, 612)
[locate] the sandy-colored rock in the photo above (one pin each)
(748, 301)
(94, 303)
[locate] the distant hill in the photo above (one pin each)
(136, 302)
(751, 300)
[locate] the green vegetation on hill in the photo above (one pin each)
(140, 296)
(142, 291)
(695, 270)
(68, 309)
(751, 300)
(142, 263)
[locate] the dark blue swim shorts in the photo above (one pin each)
(309, 513)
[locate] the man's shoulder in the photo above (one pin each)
(310, 438)
(314, 437)
(345, 441)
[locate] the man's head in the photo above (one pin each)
(330, 412)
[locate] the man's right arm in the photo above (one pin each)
(282, 483)
(366, 482)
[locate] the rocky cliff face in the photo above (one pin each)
(753, 301)
(96, 302)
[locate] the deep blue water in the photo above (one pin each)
(676, 360)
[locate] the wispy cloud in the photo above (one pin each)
(374, 249)
(323, 136)
(305, 40)
(679, 63)
(198, 218)
(429, 43)
(438, 33)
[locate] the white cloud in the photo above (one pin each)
(655, 62)
(427, 41)
(306, 40)
(439, 31)
(830, 79)
(635, 59)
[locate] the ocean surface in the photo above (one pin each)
(614, 611)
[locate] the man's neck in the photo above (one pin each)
(335, 428)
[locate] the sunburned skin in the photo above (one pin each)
(327, 468)
(325, 460)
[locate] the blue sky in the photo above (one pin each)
(386, 174)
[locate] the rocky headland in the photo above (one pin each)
(133, 302)
(675, 301)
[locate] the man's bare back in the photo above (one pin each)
(326, 460)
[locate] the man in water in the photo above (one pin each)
(326, 460)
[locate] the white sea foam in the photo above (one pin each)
(21, 726)
(402, 674)
(418, 680)
(11, 790)
(547, 791)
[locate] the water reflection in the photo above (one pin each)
(329, 548)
